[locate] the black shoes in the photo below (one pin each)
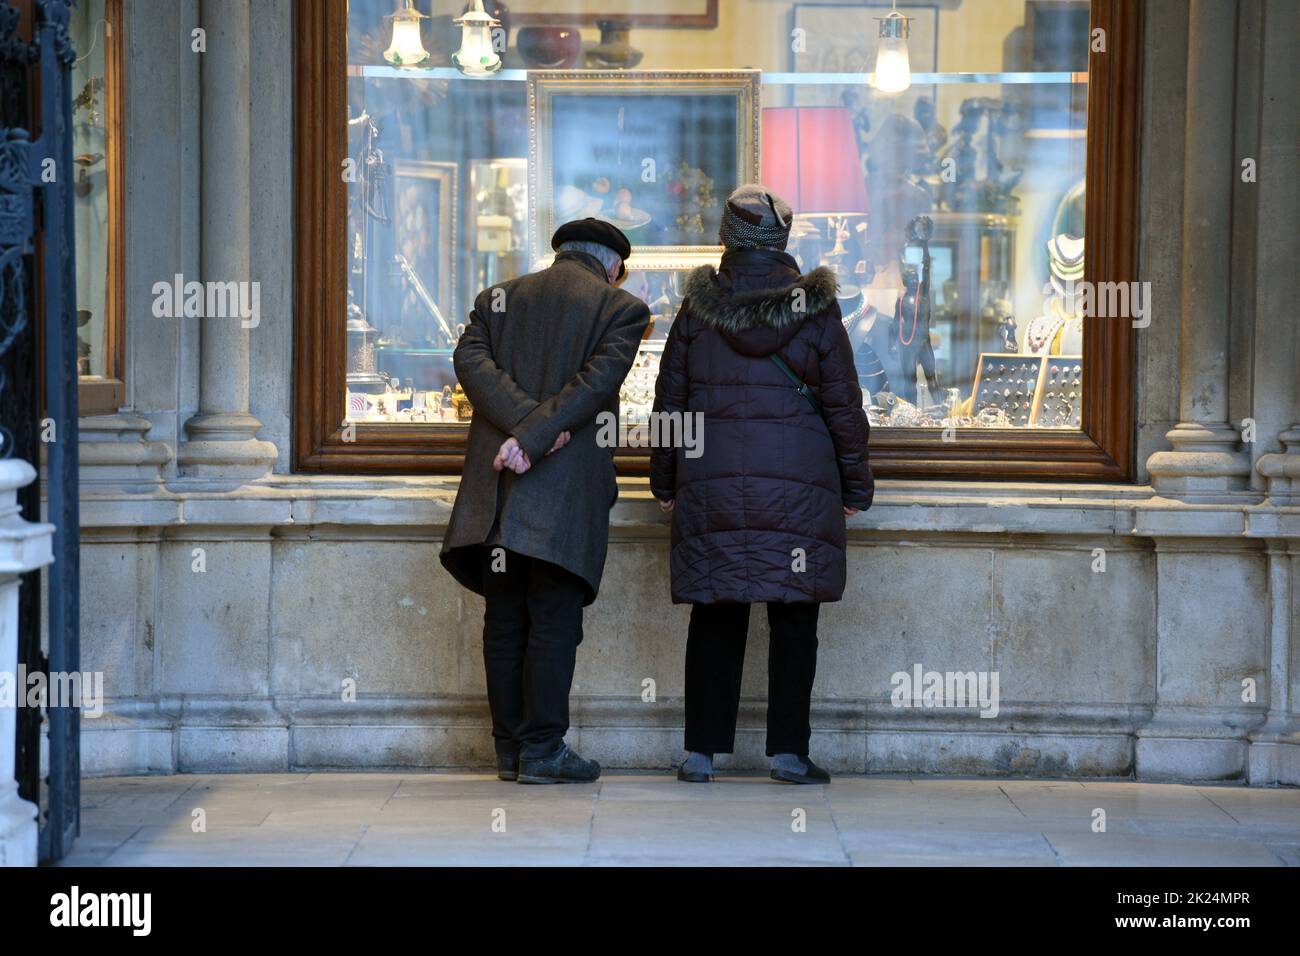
(811, 774)
(563, 765)
(508, 765)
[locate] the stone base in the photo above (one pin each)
(314, 588)
(1196, 743)
(1275, 754)
(17, 828)
(1282, 470)
(124, 750)
(113, 449)
(224, 749)
(223, 451)
(853, 736)
(1272, 763)
(1205, 465)
(223, 465)
(1170, 759)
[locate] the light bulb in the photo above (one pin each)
(476, 56)
(893, 71)
(406, 49)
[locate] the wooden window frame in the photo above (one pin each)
(105, 394)
(1101, 451)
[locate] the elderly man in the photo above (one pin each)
(542, 356)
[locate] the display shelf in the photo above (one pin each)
(772, 78)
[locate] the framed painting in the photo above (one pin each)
(660, 282)
(654, 153)
(700, 14)
(421, 310)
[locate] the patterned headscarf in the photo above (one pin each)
(754, 218)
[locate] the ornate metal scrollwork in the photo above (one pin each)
(15, 242)
(57, 14)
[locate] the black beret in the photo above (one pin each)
(593, 230)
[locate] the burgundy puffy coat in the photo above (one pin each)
(774, 475)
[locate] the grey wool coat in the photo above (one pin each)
(547, 359)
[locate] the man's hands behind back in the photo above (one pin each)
(513, 457)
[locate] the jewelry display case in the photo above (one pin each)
(948, 247)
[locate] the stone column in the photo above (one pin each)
(23, 547)
(1275, 747)
(1206, 461)
(223, 443)
(1277, 362)
(1208, 638)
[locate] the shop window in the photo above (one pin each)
(95, 29)
(972, 204)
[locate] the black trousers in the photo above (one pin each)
(715, 658)
(531, 631)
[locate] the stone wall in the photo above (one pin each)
(241, 665)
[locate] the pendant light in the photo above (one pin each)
(893, 72)
(406, 49)
(476, 56)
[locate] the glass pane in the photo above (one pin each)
(951, 210)
(87, 30)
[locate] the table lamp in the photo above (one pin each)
(810, 159)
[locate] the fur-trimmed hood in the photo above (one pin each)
(758, 321)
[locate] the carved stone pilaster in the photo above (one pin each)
(1275, 746)
(223, 444)
(1206, 461)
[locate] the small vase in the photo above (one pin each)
(615, 51)
(549, 48)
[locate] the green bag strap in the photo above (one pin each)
(800, 385)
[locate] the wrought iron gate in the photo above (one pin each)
(38, 399)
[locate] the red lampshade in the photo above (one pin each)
(810, 159)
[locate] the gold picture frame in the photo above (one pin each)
(418, 245)
(666, 195)
(663, 295)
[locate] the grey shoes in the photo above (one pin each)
(697, 768)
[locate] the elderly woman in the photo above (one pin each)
(759, 352)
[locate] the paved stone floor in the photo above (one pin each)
(329, 819)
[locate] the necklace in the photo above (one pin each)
(851, 319)
(1041, 330)
(916, 314)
